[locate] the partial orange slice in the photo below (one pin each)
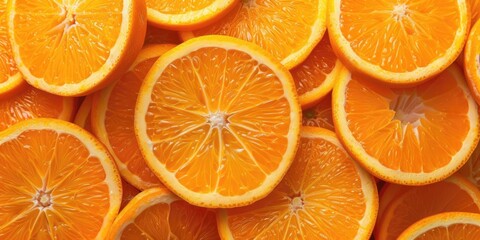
(276, 26)
(33, 103)
(161, 36)
(72, 48)
(472, 61)
(83, 116)
(320, 115)
(415, 203)
(113, 115)
(412, 136)
(217, 120)
(399, 42)
(315, 77)
(325, 194)
(158, 214)
(58, 182)
(450, 225)
(128, 193)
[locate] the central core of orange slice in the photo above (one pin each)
(296, 203)
(42, 199)
(400, 11)
(408, 107)
(217, 120)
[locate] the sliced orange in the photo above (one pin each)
(58, 182)
(82, 118)
(33, 103)
(472, 61)
(187, 14)
(325, 194)
(315, 77)
(161, 36)
(288, 30)
(128, 193)
(217, 119)
(400, 42)
(113, 115)
(450, 225)
(320, 115)
(454, 194)
(156, 213)
(72, 48)
(412, 136)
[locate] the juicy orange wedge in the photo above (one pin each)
(472, 61)
(217, 120)
(58, 182)
(72, 48)
(412, 136)
(156, 213)
(325, 194)
(320, 115)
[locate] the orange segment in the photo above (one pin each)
(79, 46)
(82, 118)
(453, 194)
(324, 194)
(34, 103)
(128, 193)
(187, 14)
(451, 225)
(65, 185)
(401, 42)
(276, 26)
(113, 115)
(217, 120)
(320, 115)
(161, 36)
(472, 61)
(414, 135)
(158, 214)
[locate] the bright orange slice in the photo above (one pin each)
(161, 36)
(58, 182)
(83, 116)
(315, 77)
(129, 192)
(217, 120)
(412, 136)
(158, 214)
(33, 103)
(72, 48)
(320, 115)
(325, 194)
(415, 203)
(472, 61)
(400, 42)
(113, 115)
(450, 225)
(276, 26)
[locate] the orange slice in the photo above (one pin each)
(161, 36)
(315, 77)
(217, 120)
(412, 136)
(453, 194)
(129, 192)
(472, 61)
(34, 103)
(72, 48)
(400, 42)
(325, 194)
(158, 214)
(82, 118)
(276, 26)
(451, 225)
(320, 115)
(113, 115)
(58, 182)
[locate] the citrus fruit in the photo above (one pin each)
(453, 194)
(113, 115)
(275, 26)
(472, 61)
(217, 120)
(128, 193)
(58, 182)
(83, 116)
(325, 194)
(187, 14)
(161, 36)
(72, 48)
(156, 213)
(415, 135)
(399, 42)
(450, 225)
(320, 115)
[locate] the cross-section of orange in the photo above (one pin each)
(58, 182)
(415, 203)
(33, 103)
(472, 61)
(73, 48)
(398, 41)
(314, 78)
(320, 115)
(450, 225)
(217, 119)
(113, 113)
(415, 135)
(325, 194)
(156, 213)
(288, 30)
(161, 36)
(83, 116)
